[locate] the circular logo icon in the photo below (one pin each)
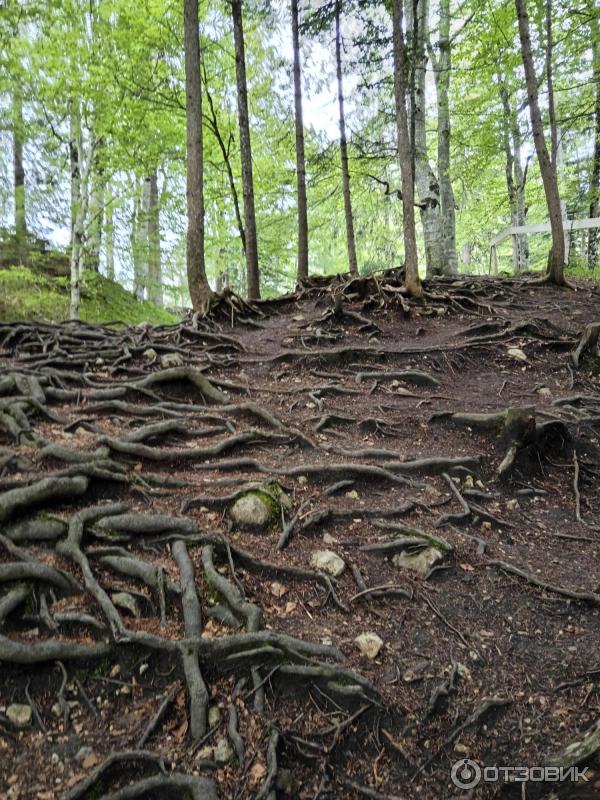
(465, 773)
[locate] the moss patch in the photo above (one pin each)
(28, 295)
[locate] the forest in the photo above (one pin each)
(299, 399)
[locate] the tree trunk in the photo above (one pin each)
(411, 262)
(94, 243)
(200, 292)
(19, 175)
(109, 240)
(515, 179)
(138, 247)
(214, 126)
(80, 176)
(352, 260)
(594, 196)
(442, 83)
(426, 183)
(154, 262)
(556, 257)
(253, 276)
(302, 271)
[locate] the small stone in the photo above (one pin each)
(544, 391)
(223, 752)
(302, 480)
(205, 754)
(55, 759)
(127, 602)
(19, 714)
(214, 716)
(115, 671)
(150, 354)
(369, 644)
(329, 562)
(512, 504)
(329, 539)
(353, 494)
(143, 669)
(82, 753)
(169, 360)
(421, 562)
(468, 483)
(517, 354)
(251, 511)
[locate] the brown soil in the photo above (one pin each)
(484, 631)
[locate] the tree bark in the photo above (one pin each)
(515, 179)
(411, 261)
(252, 270)
(80, 177)
(594, 196)
(109, 239)
(137, 246)
(352, 260)
(200, 291)
(556, 257)
(19, 174)
(442, 74)
(155, 294)
(302, 270)
(95, 225)
(426, 183)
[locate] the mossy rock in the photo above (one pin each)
(258, 508)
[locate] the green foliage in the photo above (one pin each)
(25, 294)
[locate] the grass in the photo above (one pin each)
(28, 295)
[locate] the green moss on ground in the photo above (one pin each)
(27, 295)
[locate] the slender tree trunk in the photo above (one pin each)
(426, 183)
(411, 261)
(138, 247)
(80, 177)
(95, 225)
(556, 258)
(302, 272)
(214, 126)
(594, 196)
(109, 240)
(352, 260)
(515, 179)
(252, 270)
(200, 292)
(155, 293)
(442, 83)
(19, 175)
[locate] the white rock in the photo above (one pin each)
(150, 354)
(169, 360)
(329, 562)
(127, 602)
(250, 511)
(19, 714)
(517, 354)
(329, 539)
(369, 644)
(214, 716)
(544, 391)
(223, 752)
(421, 562)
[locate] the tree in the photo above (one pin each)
(252, 269)
(352, 260)
(411, 261)
(200, 291)
(442, 65)
(19, 172)
(302, 269)
(556, 257)
(594, 193)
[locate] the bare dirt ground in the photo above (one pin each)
(165, 651)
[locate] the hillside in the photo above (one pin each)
(29, 295)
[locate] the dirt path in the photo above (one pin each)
(136, 618)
